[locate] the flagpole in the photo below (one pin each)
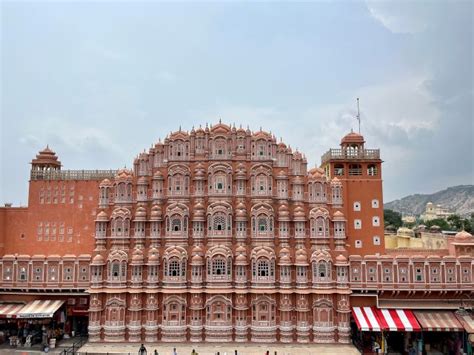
(358, 113)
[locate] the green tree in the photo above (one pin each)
(442, 223)
(392, 218)
(455, 221)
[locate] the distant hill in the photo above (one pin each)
(458, 199)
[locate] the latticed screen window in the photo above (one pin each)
(263, 268)
(219, 222)
(218, 266)
(262, 224)
(115, 269)
(174, 268)
(176, 225)
(322, 270)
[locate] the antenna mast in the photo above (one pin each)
(358, 113)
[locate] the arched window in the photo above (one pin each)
(174, 268)
(339, 169)
(372, 170)
(115, 269)
(176, 224)
(219, 223)
(262, 224)
(263, 268)
(322, 270)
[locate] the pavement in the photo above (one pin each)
(222, 348)
(37, 348)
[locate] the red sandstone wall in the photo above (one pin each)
(13, 226)
(67, 218)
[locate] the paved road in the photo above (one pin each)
(223, 349)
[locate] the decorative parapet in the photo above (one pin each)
(72, 174)
(343, 154)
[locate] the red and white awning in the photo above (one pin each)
(10, 310)
(398, 320)
(366, 319)
(438, 321)
(40, 309)
(373, 319)
(467, 320)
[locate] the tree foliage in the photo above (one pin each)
(392, 218)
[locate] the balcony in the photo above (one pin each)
(72, 174)
(342, 154)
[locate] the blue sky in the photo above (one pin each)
(101, 81)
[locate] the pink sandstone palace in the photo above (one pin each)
(220, 234)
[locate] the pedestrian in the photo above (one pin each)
(175, 352)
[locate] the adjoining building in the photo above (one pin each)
(223, 234)
(435, 212)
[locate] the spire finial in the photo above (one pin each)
(358, 113)
(220, 120)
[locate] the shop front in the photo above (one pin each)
(382, 331)
(36, 322)
(466, 318)
(412, 332)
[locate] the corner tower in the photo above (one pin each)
(360, 172)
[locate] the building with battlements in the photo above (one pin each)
(220, 234)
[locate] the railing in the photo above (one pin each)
(72, 174)
(75, 346)
(342, 154)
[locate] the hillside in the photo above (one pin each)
(459, 199)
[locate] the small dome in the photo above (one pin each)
(158, 175)
(197, 260)
(198, 211)
(241, 260)
(197, 250)
(284, 251)
(156, 213)
(298, 213)
(301, 259)
(338, 216)
(462, 236)
(140, 214)
(105, 183)
(124, 175)
(142, 180)
(98, 260)
(316, 173)
(153, 256)
(241, 249)
(241, 211)
(283, 212)
(341, 259)
(102, 216)
(352, 138)
(137, 256)
(284, 260)
(220, 128)
(46, 157)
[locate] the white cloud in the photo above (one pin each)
(68, 134)
(399, 16)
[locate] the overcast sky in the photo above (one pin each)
(100, 82)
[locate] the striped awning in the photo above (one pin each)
(438, 321)
(374, 319)
(397, 320)
(10, 310)
(40, 309)
(467, 321)
(366, 319)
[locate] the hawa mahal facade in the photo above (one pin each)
(219, 234)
